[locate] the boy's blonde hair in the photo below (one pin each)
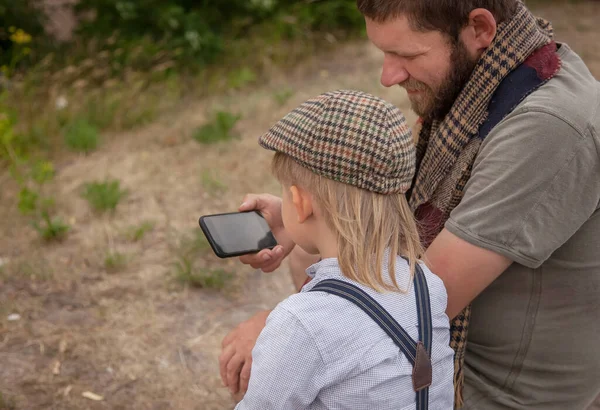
(366, 224)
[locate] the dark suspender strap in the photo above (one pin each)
(423, 377)
(418, 354)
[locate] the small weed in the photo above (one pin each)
(7, 403)
(220, 129)
(51, 229)
(82, 136)
(115, 262)
(42, 172)
(104, 196)
(28, 201)
(186, 274)
(241, 78)
(190, 246)
(37, 174)
(282, 96)
(211, 183)
(136, 233)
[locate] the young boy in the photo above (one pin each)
(369, 331)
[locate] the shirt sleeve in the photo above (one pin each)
(535, 182)
(287, 368)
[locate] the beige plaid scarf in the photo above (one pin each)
(446, 149)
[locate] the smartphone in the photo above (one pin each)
(237, 233)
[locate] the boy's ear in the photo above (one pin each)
(302, 202)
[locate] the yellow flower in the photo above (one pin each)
(20, 37)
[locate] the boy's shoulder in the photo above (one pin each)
(319, 315)
(331, 319)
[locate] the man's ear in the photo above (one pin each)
(479, 32)
(302, 202)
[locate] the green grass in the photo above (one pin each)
(137, 233)
(218, 130)
(241, 78)
(194, 244)
(283, 96)
(186, 274)
(28, 201)
(212, 184)
(51, 229)
(104, 196)
(115, 262)
(6, 403)
(82, 136)
(189, 269)
(42, 172)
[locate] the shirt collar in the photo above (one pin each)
(324, 269)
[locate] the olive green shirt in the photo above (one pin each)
(534, 197)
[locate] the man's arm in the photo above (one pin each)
(465, 269)
(533, 185)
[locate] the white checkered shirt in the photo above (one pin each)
(320, 351)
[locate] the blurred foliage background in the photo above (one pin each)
(121, 49)
(126, 61)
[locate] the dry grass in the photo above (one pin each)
(138, 338)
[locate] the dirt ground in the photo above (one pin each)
(136, 337)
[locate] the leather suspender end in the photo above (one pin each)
(422, 372)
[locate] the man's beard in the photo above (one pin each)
(435, 104)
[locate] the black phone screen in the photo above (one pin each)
(237, 233)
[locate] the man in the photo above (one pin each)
(508, 194)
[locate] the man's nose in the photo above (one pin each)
(393, 72)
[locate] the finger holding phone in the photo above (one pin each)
(270, 208)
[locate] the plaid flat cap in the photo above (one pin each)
(351, 137)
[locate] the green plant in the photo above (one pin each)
(114, 262)
(136, 233)
(81, 136)
(189, 252)
(29, 198)
(282, 96)
(241, 78)
(7, 403)
(28, 201)
(211, 183)
(51, 229)
(219, 129)
(42, 172)
(32, 177)
(186, 274)
(104, 196)
(192, 245)
(8, 136)
(20, 23)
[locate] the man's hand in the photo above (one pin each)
(235, 360)
(270, 207)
